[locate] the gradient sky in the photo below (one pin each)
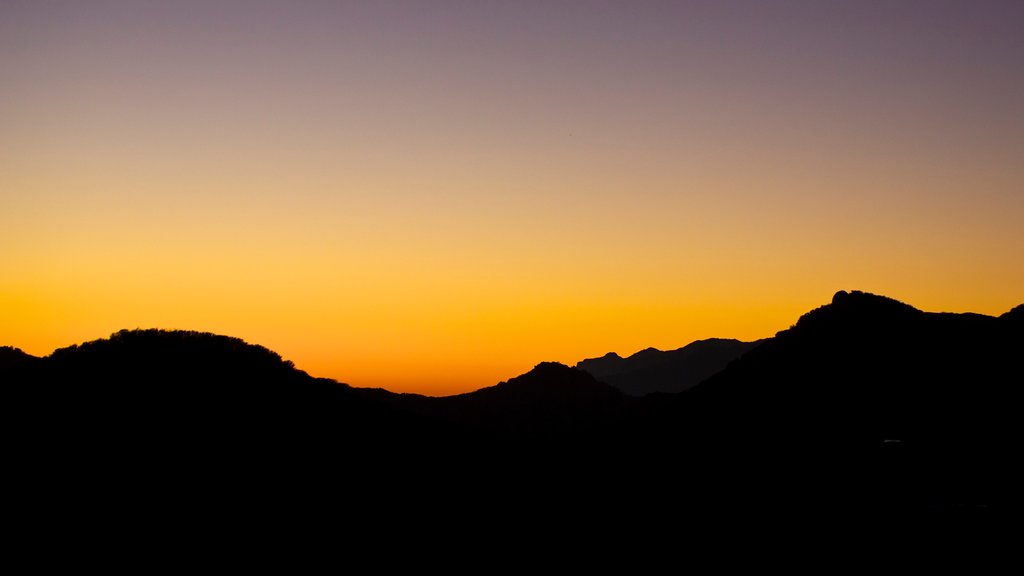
(434, 196)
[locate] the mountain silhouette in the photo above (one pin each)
(1016, 315)
(177, 385)
(15, 363)
(895, 408)
(866, 407)
(653, 370)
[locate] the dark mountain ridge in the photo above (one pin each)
(865, 407)
(908, 410)
(652, 370)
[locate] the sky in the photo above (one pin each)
(435, 196)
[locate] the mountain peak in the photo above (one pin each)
(857, 298)
(653, 370)
(10, 353)
(14, 360)
(183, 357)
(550, 366)
(647, 352)
(1015, 314)
(548, 381)
(840, 297)
(857, 308)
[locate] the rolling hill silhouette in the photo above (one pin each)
(866, 407)
(653, 370)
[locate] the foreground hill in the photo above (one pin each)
(885, 406)
(865, 407)
(198, 417)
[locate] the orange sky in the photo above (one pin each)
(433, 197)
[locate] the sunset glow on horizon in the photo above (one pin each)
(436, 196)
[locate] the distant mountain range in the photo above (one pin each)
(866, 408)
(652, 370)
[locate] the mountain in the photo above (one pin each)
(551, 397)
(880, 405)
(192, 389)
(865, 408)
(178, 384)
(208, 420)
(1016, 315)
(653, 370)
(15, 363)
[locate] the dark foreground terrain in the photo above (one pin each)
(866, 412)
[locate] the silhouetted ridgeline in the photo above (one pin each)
(865, 408)
(652, 370)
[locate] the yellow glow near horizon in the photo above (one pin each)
(436, 201)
